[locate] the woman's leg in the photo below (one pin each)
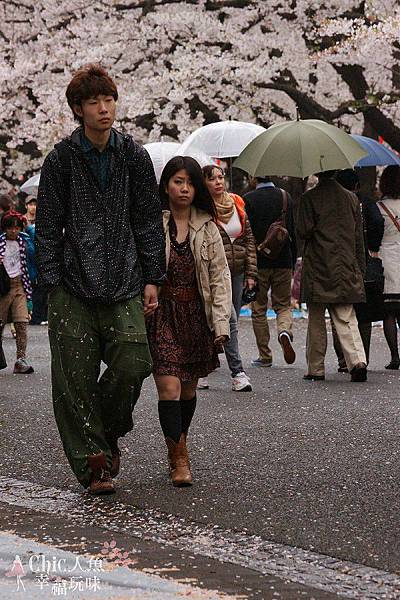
(390, 331)
(172, 422)
(188, 403)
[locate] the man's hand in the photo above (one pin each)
(150, 299)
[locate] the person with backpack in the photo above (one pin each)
(101, 255)
(270, 212)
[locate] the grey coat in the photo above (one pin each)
(329, 221)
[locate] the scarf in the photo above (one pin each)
(225, 208)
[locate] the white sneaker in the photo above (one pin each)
(241, 383)
(203, 384)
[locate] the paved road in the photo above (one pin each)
(310, 465)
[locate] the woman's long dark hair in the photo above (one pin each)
(390, 182)
(202, 197)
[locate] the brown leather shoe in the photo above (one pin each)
(288, 353)
(359, 372)
(179, 465)
(311, 377)
(101, 482)
(115, 458)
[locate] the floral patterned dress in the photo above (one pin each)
(180, 340)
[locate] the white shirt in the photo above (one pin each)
(233, 227)
(12, 260)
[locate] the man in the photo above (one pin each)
(30, 206)
(329, 222)
(373, 228)
(100, 245)
(264, 206)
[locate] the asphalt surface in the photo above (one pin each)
(313, 465)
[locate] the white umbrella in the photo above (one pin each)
(31, 186)
(162, 152)
(223, 139)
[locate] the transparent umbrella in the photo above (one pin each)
(162, 152)
(224, 139)
(31, 186)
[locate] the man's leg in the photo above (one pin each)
(127, 356)
(345, 320)
(259, 320)
(316, 339)
(281, 282)
(342, 367)
(75, 367)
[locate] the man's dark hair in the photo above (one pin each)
(88, 82)
(202, 197)
(263, 179)
(348, 178)
(326, 174)
(390, 182)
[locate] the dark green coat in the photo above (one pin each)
(330, 223)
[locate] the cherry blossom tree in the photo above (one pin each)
(180, 64)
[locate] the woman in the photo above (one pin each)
(16, 253)
(390, 253)
(192, 320)
(241, 255)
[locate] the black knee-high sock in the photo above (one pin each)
(188, 408)
(169, 412)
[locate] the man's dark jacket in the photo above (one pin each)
(263, 207)
(102, 247)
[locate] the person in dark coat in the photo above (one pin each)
(373, 227)
(329, 222)
(263, 207)
(100, 252)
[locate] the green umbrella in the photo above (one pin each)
(299, 149)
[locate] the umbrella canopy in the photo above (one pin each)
(299, 149)
(223, 139)
(31, 186)
(378, 154)
(162, 152)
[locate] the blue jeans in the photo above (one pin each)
(231, 347)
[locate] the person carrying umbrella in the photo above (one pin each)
(329, 221)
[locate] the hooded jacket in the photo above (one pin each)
(103, 247)
(212, 271)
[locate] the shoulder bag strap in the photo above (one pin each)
(284, 205)
(390, 215)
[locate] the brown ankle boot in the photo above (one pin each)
(179, 465)
(101, 482)
(115, 457)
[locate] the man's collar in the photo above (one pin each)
(264, 184)
(87, 145)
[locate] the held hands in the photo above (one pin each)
(150, 299)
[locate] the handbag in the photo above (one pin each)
(4, 281)
(374, 278)
(277, 233)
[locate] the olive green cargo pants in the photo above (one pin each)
(88, 410)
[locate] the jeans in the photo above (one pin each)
(231, 347)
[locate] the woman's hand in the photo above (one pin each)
(250, 283)
(150, 299)
(220, 340)
(374, 254)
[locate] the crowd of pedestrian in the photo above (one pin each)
(151, 279)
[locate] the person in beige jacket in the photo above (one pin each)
(191, 323)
